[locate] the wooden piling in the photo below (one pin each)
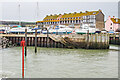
(32, 43)
(39, 41)
(114, 38)
(29, 41)
(47, 43)
(35, 41)
(25, 42)
(87, 39)
(119, 39)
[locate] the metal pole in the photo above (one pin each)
(22, 44)
(35, 41)
(19, 15)
(23, 62)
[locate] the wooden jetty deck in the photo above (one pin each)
(89, 41)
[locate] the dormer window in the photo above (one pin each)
(94, 13)
(116, 20)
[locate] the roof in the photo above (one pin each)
(79, 14)
(72, 15)
(115, 20)
(51, 17)
(39, 21)
(69, 15)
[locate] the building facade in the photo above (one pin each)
(112, 24)
(95, 19)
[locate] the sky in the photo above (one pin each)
(28, 10)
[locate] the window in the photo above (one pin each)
(92, 24)
(110, 27)
(94, 13)
(92, 16)
(111, 23)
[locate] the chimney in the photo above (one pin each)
(114, 17)
(75, 12)
(80, 11)
(86, 11)
(100, 10)
(64, 13)
(109, 17)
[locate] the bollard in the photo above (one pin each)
(23, 45)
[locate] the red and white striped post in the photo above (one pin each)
(23, 45)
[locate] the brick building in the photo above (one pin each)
(95, 19)
(112, 24)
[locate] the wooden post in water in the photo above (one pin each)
(114, 38)
(47, 44)
(25, 42)
(96, 36)
(87, 39)
(35, 41)
(101, 37)
(108, 37)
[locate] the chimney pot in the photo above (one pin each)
(80, 11)
(114, 17)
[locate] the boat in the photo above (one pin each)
(84, 29)
(2, 30)
(61, 29)
(21, 30)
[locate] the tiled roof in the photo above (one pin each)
(72, 15)
(79, 14)
(69, 16)
(115, 20)
(51, 17)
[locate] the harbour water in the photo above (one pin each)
(60, 63)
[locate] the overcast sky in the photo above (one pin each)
(28, 10)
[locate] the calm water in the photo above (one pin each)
(60, 63)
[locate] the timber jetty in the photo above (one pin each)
(86, 41)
